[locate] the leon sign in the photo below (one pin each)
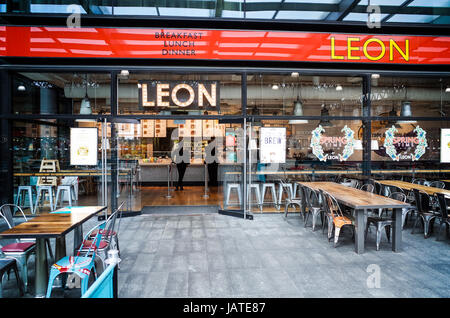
(187, 95)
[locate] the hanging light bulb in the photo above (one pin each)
(406, 111)
(298, 110)
(85, 108)
(325, 113)
(392, 113)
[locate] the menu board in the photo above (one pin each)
(148, 128)
(160, 128)
(191, 128)
(272, 141)
(445, 145)
(83, 146)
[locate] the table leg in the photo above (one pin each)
(397, 230)
(359, 231)
(60, 252)
(41, 268)
(77, 238)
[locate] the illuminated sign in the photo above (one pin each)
(272, 141)
(187, 95)
(373, 49)
(400, 148)
(222, 45)
(445, 145)
(83, 146)
(318, 141)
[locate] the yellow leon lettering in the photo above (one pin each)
(404, 54)
(380, 44)
(351, 48)
(333, 47)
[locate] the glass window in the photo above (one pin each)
(304, 95)
(179, 94)
(312, 150)
(406, 150)
(410, 96)
(61, 93)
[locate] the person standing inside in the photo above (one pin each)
(211, 163)
(181, 162)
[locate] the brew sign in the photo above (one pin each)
(272, 144)
(189, 95)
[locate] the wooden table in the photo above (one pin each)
(361, 202)
(52, 225)
(409, 186)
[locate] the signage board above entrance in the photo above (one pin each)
(253, 45)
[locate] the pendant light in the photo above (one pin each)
(391, 123)
(85, 108)
(325, 113)
(298, 110)
(406, 111)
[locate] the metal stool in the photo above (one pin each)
(281, 188)
(60, 194)
(231, 186)
(255, 187)
(45, 189)
(270, 186)
(21, 200)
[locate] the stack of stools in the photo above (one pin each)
(45, 185)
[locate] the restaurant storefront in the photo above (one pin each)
(108, 108)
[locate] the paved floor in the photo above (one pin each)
(213, 255)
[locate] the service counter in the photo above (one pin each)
(157, 172)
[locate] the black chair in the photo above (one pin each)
(6, 265)
(425, 212)
(444, 220)
(381, 222)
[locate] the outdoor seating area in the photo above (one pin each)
(214, 255)
(83, 264)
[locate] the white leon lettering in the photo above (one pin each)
(202, 91)
(145, 101)
(160, 94)
(189, 100)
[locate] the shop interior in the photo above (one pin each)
(148, 147)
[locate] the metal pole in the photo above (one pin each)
(245, 169)
(205, 195)
(168, 182)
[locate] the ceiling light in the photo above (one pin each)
(124, 73)
(275, 86)
(447, 90)
(295, 74)
(406, 112)
(375, 75)
(339, 87)
(21, 88)
(298, 111)
(139, 85)
(325, 113)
